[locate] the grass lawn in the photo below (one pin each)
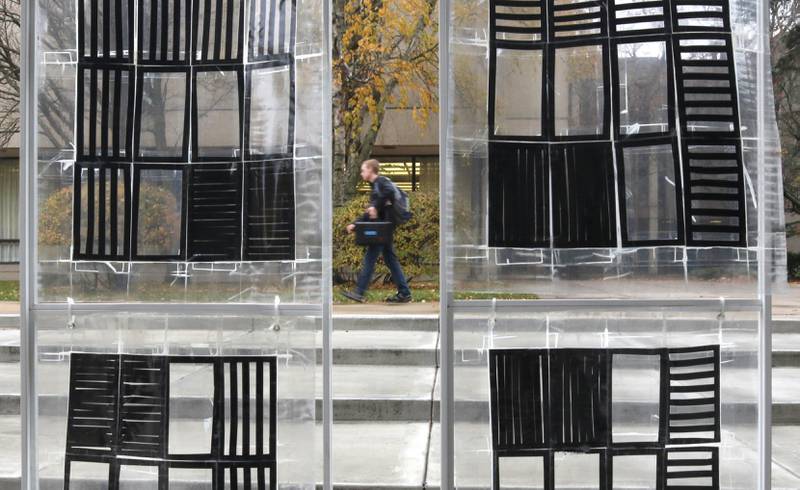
(421, 293)
(9, 290)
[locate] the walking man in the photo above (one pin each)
(380, 209)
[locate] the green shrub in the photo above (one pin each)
(416, 242)
(793, 266)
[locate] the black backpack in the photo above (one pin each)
(400, 206)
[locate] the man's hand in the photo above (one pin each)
(351, 228)
(372, 212)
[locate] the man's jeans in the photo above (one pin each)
(371, 255)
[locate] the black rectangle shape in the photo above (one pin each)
(93, 404)
(517, 23)
(706, 82)
(714, 194)
(519, 387)
(579, 398)
(217, 103)
(162, 113)
(214, 212)
(143, 408)
(584, 211)
(218, 31)
(164, 28)
(101, 212)
(700, 16)
(639, 18)
(684, 466)
(109, 28)
(269, 106)
(577, 19)
(625, 176)
(373, 232)
(519, 195)
(104, 122)
(272, 28)
(693, 414)
(158, 213)
(269, 227)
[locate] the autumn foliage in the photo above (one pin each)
(385, 55)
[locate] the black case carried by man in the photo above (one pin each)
(373, 232)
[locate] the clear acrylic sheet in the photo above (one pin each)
(636, 338)
(648, 256)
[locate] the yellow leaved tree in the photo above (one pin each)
(385, 54)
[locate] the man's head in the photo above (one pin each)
(370, 169)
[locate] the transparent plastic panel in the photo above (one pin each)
(642, 81)
(140, 89)
(579, 90)
(143, 123)
(644, 87)
(621, 388)
(253, 376)
(270, 110)
(651, 194)
(163, 105)
(158, 211)
(515, 112)
(218, 100)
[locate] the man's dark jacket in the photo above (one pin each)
(380, 197)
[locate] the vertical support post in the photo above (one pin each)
(413, 174)
(445, 297)
(764, 259)
(27, 172)
(327, 250)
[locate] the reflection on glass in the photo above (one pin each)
(518, 93)
(217, 109)
(163, 114)
(643, 87)
(580, 92)
(269, 111)
(650, 200)
(159, 209)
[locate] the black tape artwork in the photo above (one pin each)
(605, 82)
(119, 416)
(182, 109)
(548, 402)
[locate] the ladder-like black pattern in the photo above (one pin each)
(519, 179)
(164, 84)
(269, 211)
(101, 223)
(694, 396)
(119, 416)
(215, 212)
(545, 401)
(700, 93)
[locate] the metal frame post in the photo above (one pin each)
(764, 259)
(327, 250)
(27, 172)
(445, 298)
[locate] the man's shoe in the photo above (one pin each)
(398, 298)
(358, 298)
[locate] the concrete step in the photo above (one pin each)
(396, 453)
(397, 393)
(382, 347)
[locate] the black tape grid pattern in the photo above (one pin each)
(119, 416)
(549, 401)
(154, 110)
(700, 70)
